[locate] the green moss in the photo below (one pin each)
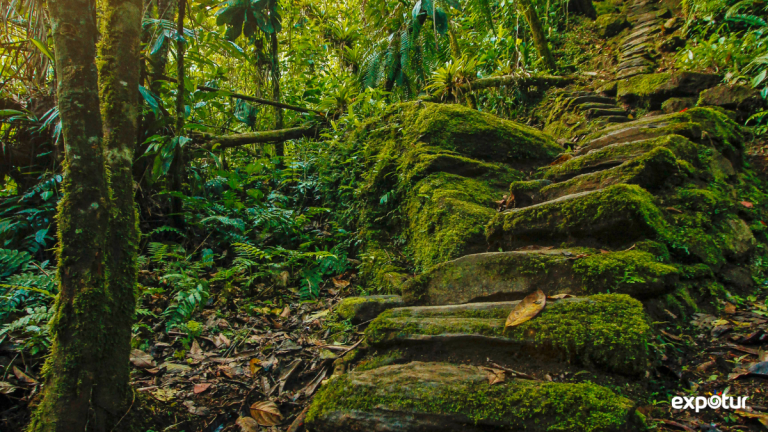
(618, 271)
(517, 404)
(377, 361)
(360, 309)
(605, 329)
(642, 85)
(680, 146)
(616, 214)
(446, 214)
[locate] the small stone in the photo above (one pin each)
(674, 105)
(672, 24)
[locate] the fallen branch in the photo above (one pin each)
(253, 99)
(208, 141)
(508, 80)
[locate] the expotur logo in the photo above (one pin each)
(718, 400)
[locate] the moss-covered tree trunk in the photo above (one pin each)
(77, 328)
(119, 70)
(537, 32)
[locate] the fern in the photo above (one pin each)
(12, 260)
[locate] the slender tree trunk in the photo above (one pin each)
(119, 72)
(78, 325)
(177, 166)
(159, 59)
(539, 38)
(279, 147)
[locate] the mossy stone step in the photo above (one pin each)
(645, 31)
(630, 72)
(503, 275)
(441, 397)
(581, 100)
(365, 308)
(602, 112)
(651, 16)
(615, 119)
(616, 154)
(650, 170)
(657, 87)
(635, 62)
(606, 330)
(637, 49)
(617, 215)
(593, 105)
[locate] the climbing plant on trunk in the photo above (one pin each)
(86, 375)
(537, 33)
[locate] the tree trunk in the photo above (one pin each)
(177, 166)
(119, 71)
(208, 141)
(539, 39)
(77, 328)
(279, 147)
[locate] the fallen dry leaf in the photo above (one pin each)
(142, 360)
(338, 283)
(671, 336)
(199, 388)
(255, 365)
(527, 309)
(495, 376)
(247, 424)
(7, 388)
(730, 308)
(762, 418)
(286, 312)
(21, 376)
(266, 413)
(560, 296)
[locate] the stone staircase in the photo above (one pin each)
(604, 230)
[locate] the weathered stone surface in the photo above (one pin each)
(608, 330)
(499, 275)
(650, 170)
(674, 105)
(492, 275)
(439, 397)
(633, 71)
(616, 215)
(641, 32)
(609, 25)
(738, 240)
(616, 154)
(635, 62)
(671, 44)
(672, 24)
(635, 50)
(653, 89)
(362, 309)
(733, 97)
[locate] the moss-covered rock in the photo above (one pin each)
(650, 170)
(439, 397)
(616, 215)
(500, 275)
(614, 155)
(610, 25)
(608, 330)
(362, 309)
(435, 172)
(653, 89)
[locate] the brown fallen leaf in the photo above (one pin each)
(671, 336)
(141, 360)
(286, 312)
(199, 388)
(495, 376)
(221, 341)
(704, 366)
(339, 283)
(24, 378)
(255, 365)
(677, 425)
(527, 309)
(266, 413)
(747, 204)
(730, 308)
(7, 388)
(247, 424)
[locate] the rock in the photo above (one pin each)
(613, 323)
(738, 277)
(609, 89)
(616, 215)
(504, 275)
(676, 104)
(610, 25)
(671, 44)
(738, 241)
(672, 24)
(740, 98)
(653, 89)
(364, 309)
(439, 397)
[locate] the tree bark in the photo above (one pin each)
(119, 73)
(77, 327)
(539, 39)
